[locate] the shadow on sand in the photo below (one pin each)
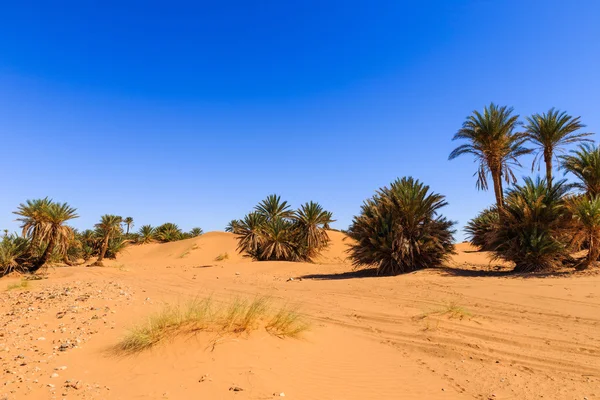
(361, 273)
(444, 271)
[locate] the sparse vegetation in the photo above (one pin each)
(21, 285)
(399, 229)
(222, 257)
(237, 317)
(451, 309)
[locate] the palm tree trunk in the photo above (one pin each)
(127, 229)
(548, 161)
(497, 178)
(593, 252)
(102, 251)
(44, 257)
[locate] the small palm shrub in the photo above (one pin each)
(168, 232)
(533, 232)
(195, 232)
(400, 230)
(14, 253)
(586, 225)
(147, 234)
(273, 231)
(232, 225)
(480, 229)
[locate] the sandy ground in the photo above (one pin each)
(466, 330)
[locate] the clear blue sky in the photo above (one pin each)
(192, 112)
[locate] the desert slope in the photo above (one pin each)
(465, 330)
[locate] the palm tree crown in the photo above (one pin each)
(129, 222)
(584, 163)
(496, 146)
(550, 132)
(42, 220)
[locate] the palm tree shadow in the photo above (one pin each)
(446, 270)
(356, 274)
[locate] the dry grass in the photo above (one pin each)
(451, 309)
(222, 257)
(23, 284)
(236, 317)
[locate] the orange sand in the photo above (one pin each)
(463, 331)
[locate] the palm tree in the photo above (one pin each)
(109, 226)
(129, 222)
(168, 232)
(195, 232)
(533, 231)
(496, 146)
(480, 229)
(400, 230)
(250, 233)
(232, 225)
(32, 214)
(43, 222)
(550, 132)
(278, 242)
(584, 163)
(272, 208)
(147, 234)
(13, 251)
(586, 213)
(311, 221)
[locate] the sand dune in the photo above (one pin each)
(458, 332)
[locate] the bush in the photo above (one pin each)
(13, 253)
(399, 229)
(533, 231)
(168, 232)
(481, 228)
(274, 232)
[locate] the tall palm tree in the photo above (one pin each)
(32, 214)
(496, 146)
(311, 221)
(584, 163)
(272, 208)
(129, 223)
(109, 226)
(550, 132)
(43, 221)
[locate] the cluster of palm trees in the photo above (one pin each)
(47, 238)
(273, 231)
(536, 225)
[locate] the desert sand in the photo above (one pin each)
(462, 331)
